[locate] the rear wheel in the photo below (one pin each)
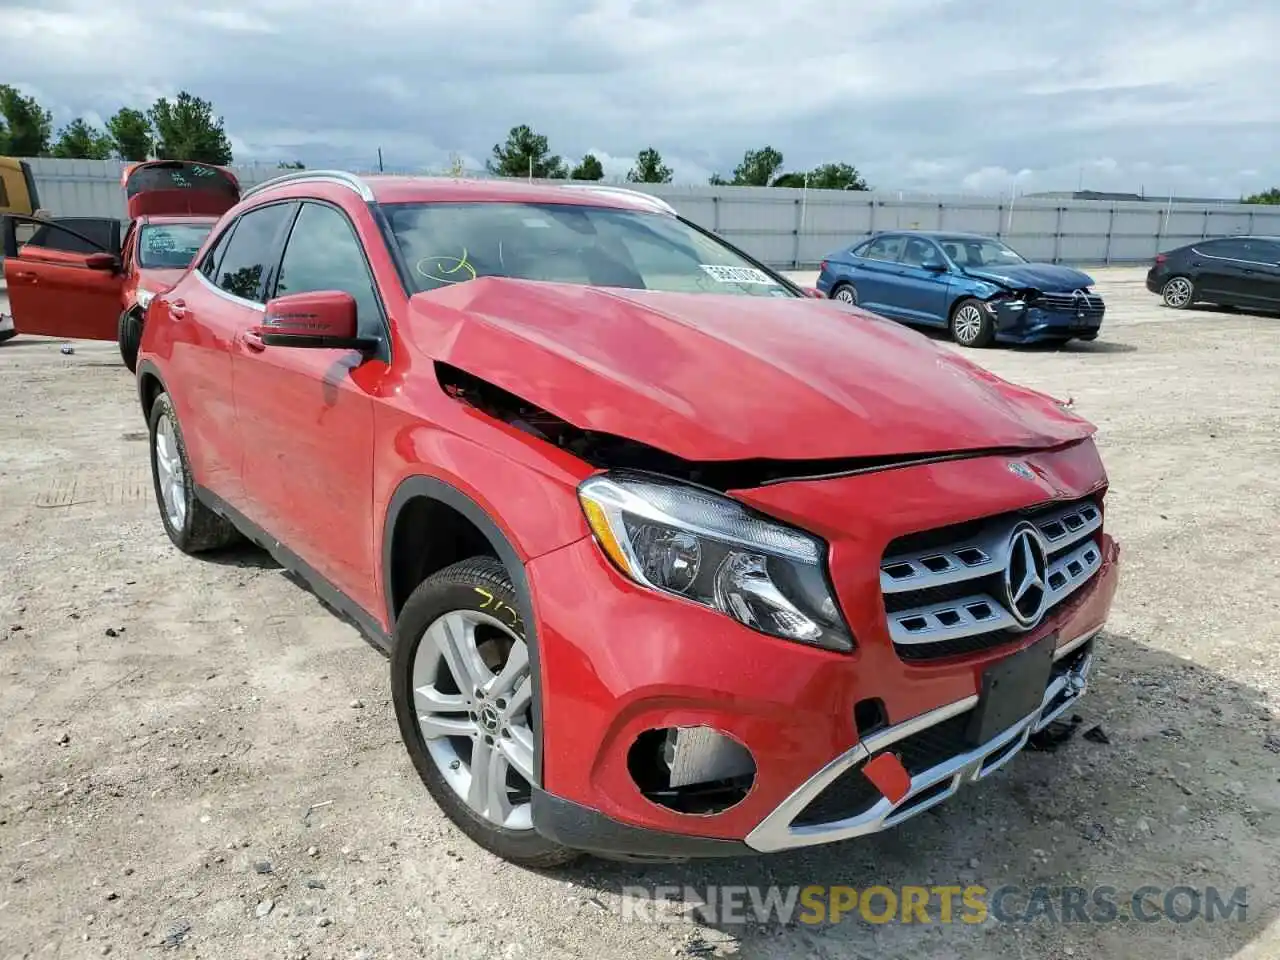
(191, 525)
(129, 335)
(845, 293)
(462, 681)
(971, 325)
(1178, 293)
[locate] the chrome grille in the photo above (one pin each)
(1090, 304)
(945, 596)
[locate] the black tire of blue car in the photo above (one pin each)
(971, 324)
(1178, 293)
(198, 528)
(129, 336)
(460, 588)
(845, 293)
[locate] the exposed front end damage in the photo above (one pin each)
(709, 686)
(1028, 315)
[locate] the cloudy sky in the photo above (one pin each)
(973, 95)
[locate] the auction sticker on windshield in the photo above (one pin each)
(737, 274)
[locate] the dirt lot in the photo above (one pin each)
(197, 758)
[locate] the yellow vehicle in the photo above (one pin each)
(17, 187)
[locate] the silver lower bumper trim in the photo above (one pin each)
(929, 787)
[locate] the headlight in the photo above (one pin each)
(712, 550)
(144, 297)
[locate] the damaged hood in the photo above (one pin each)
(1047, 277)
(709, 377)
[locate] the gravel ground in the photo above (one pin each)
(196, 757)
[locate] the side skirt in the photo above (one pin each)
(333, 598)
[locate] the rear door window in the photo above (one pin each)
(920, 253)
(209, 265)
(884, 248)
(251, 251)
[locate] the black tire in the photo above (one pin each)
(1178, 293)
(845, 293)
(456, 588)
(201, 529)
(971, 325)
(129, 335)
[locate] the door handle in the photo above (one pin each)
(253, 340)
(26, 276)
(177, 309)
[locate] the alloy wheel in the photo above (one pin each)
(846, 295)
(968, 324)
(169, 474)
(1177, 292)
(473, 694)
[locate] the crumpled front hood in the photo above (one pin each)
(1048, 277)
(709, 377)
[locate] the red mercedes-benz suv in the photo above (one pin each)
(672, 558)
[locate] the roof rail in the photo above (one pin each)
(647, 198)
(340, 177)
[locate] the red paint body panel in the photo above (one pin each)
(312, 444)
(53, 293)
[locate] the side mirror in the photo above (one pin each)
(814, 292)
(100, 261)
(936, 267)
(321, 319)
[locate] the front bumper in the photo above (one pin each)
(618, 662)
(935, 783)
(1032, 324)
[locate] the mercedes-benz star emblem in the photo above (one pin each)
(1026, 577)
(1021, 470)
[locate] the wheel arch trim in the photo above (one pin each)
(432, 488)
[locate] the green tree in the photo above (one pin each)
(649, 168)
(130, 132)
(291, 165)
(758, 168)
(1267, 196)
(836, 176)
(186, 129)
(588, 169)
(790, 180)
(525, 154)
(717, 181)
(80, 141)
(28, 126)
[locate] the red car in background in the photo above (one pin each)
(75, 277)
(670, 558)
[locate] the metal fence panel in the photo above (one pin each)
(793, 228)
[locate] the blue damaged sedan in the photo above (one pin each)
(978, 288)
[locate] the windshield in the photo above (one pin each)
(170, 245)
(447, 243)
(970, 252)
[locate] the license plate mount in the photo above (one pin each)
(1011, 690)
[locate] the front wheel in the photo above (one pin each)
(191, 525)
(971, 325)
(129, 336)
(462, 682)
(1178, 293)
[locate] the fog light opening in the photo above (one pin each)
(869, 716)
(694, 770)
